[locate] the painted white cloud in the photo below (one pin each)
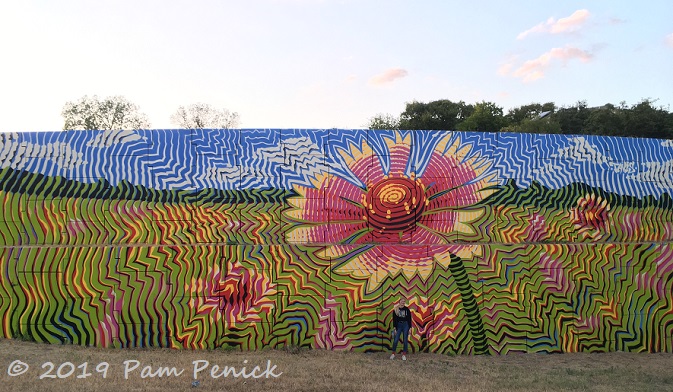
(300, 156)
(568, 24)
(582, 151)
(18, 155)
(388, 76)
(535, 69)
(108, 138)
(659, 173)
(226, 175)
(303, 156)
(546, 168)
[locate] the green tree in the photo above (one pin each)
(383, 121)
(111, 113)
(486, 117)
(572, 118)
(436, 115)
(528, 112)
(607, 120)
(544, 125)
(202, 115)
(645, 120)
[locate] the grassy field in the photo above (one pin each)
(315, 370)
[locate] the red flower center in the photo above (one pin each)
(392, 205)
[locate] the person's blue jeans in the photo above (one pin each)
(402, 329)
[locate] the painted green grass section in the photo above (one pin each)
(539, 196)
(150, 268)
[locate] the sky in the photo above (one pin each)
(327, 63)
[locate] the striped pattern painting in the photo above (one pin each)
(269, 238)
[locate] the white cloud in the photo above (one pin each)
(388, 76)
(569, 24)
(532, 70)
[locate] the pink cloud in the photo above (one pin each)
(388, 76)
(569, 24)
(505, 68)
(669, 40)
(535, 69)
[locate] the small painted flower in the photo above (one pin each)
(591, 216)
(241, 295)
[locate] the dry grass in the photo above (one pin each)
(315, 370)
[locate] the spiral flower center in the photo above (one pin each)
(392, 205)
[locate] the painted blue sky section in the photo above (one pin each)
(281, 158)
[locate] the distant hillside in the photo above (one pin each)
(537, 195)
(19, 181)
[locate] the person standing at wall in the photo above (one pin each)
(401, 327)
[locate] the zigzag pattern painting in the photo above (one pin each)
(290, 237)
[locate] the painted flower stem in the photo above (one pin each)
(457, 269)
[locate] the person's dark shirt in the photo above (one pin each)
(405, 315)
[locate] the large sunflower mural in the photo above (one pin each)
(394, 215)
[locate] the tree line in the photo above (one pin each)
(117, 112)
(643, 119)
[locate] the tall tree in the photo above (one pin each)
(531, 111)
(607, 120)
(486, 117)
(645, 120)
(383, 121)
(436, 115)
(573, 118)
(111, 113)
(202, 115)
(537, 125)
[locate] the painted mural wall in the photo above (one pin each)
(268, 238)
